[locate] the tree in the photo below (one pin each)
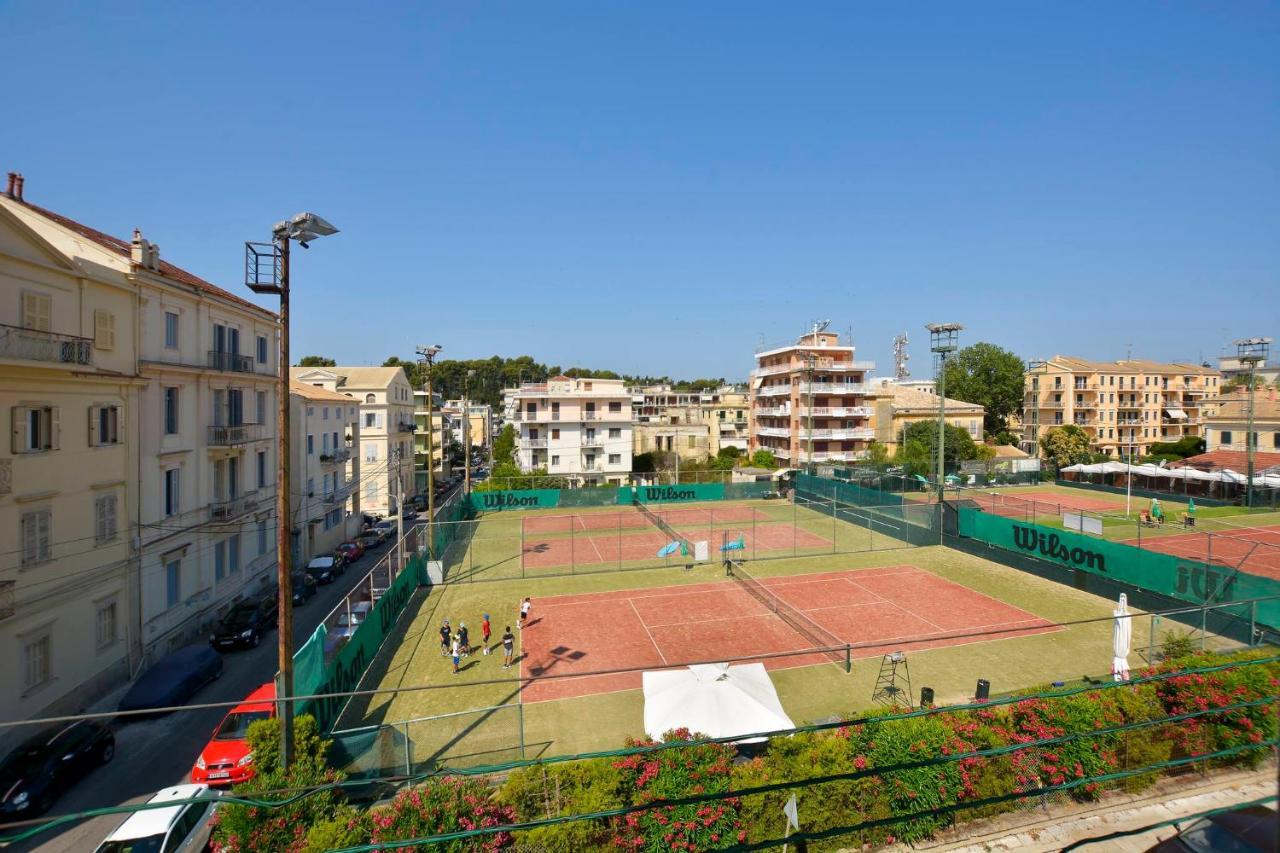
(959, 444)
(1065, 445)
(1006, 437)
(764, 459)
(316, 361)
(504, 446)
(1241, 383)
(877, 454)
(989, 376)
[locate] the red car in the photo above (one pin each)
(352, 551)
(226, 758)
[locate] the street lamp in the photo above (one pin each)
(466, 432)
(267, 272)
(427, 355)
(943, 340)
(1251, 351)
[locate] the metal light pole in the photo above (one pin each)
(942, 342)
(427, 355)
(267, 272)
(466, 432)
(1251, 351)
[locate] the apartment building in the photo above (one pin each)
(324, 504)
(1226, 422)
(386, 428)
(811, 394)
(441, 430)
(575, 428)
(1125, 406)
(898, 405)
(139, 478)
(694, 424)
(477, 424)
(1232, 368)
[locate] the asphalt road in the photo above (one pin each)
(153, 754)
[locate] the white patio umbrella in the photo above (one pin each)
(718, 700)
(1121, 640)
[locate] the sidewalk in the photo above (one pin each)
(1060, 825)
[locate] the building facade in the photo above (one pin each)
(692, 424)
(476, 427)
(1226, 421)
(574, 428)
(386, 429)
(1124, 406)
(324, 503)
(809, 402)
(441, 430)
(897, 406)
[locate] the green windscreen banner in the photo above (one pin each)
(683, 493)
(1191, 581)
(814, 488)
(497, 501)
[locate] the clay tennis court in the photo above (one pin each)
(613, 547)
(1255, 550)
(645, 628)
(633, 518)
(1019, 505)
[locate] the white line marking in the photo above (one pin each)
(647, 632)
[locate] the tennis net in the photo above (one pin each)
(813, 632)
(657, 521)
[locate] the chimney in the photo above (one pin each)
(13, 180)
(155, 257)
(17, 188)
(138, 250)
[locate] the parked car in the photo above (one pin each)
(245, 623)
(45, 765)
(179, 828)
(348, 621)
(352, 550)
(386, 528)
(409, 513)
(418, 502)
(226, 759)
(324, 569)
(1240, 831)
(303, 587)
(173, 680)
(369, 539)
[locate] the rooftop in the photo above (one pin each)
(1133, 365)
(905, 398)
(313, 392)
(1235, 406)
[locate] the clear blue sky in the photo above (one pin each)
(652, 187)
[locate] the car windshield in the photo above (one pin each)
(238, 616)
(150, 844)
(24, 761)
(1208, 837)
(235, 726)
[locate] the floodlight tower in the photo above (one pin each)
(427, 357)
(943, 340)
(1251, 351)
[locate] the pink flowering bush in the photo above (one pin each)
(451, 804)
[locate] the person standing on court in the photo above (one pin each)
(485, 632)
(456, 655)
(445, 637)
(508, 647)
(524, 613)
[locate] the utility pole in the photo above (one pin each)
(943, 340)
(1251, 351)
(267, 272)
(466, 432)
(427, 355)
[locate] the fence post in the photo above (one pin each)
(522, 520)
(520, 723)
(848, 658)
(1151, 639)
(1253, 622)
(1204, 613)
(408, 751)
(573, 548)
(618, 541)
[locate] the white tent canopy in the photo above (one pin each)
(717, 700)
(1226, 475)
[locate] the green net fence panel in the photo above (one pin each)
(821, 638)
(597, 496)
(457, 741)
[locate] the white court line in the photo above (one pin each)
(647, 632)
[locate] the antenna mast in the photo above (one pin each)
(900, 358)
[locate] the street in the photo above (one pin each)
(152, 754)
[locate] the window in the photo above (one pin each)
(324, 443)
(615, 458)
(372, 493)
(370, 399)
(35, 429)
(262, 406)
(104, 519)
(262, 537)
(1224, 436)
(37, 311)
(555, 460)
(262, 468)
(170, 330)
(37, 542)
(104, 425)
(555, 433)
(324, 414)
(171, 503)
(104, 330)
(615, 407)
(1275, 439)
(171, 411)
(233, 553)
(616, 432)
(311, 444)
(105, 625)
(371, 453)
(693, 442)
(35, 660)
(262, 349)
(370, 419)
(173, 582)
(311, 487)
(220, 560)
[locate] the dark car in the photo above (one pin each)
(174, 679)
(1239, 831)
(47, 764)
(303, 587)
(245, 623)
(324, 569)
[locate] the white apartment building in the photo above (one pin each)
(137, 486)
(386, 428)
(575, 428)
(324, 505)
(441, 430)
(811, 394)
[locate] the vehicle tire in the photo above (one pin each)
(254, 640)
(107, 752)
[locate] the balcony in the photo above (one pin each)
(229, 436)
(1050, 404)
(773, 412)
(836, 411)
(233, 507)
(774, 391)
(1086, 404)
(33, 345)
(406, 426)
(775, 432)
(859, 434)
(533, 442)
(337, 457)
(339, 495)
(772, 370)
(832, 388)
(586, 416)
(595, 441)
(832, 456)
(230, 361)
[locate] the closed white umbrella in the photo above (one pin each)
(1121, 640)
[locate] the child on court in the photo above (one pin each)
(456, 656)
(464, 639)
(524, 613)
(485, 632)
(508, 646)
(445, 636)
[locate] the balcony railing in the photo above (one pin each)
(227, 436)
(595, 441)
(233, 507)
(231, 361)
(586, 416)
(775, 432)
(832, 388)
(771, 370)
(773, 391)
(33, 345)
(837, 411)
(533, 442)
(340, 455)
(339, 495)
(406, 426)
(773, 412)
(859, 434)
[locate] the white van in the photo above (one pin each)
(179, 828)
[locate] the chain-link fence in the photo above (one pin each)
(457, 741)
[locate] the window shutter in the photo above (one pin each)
(19, 418)
(93, 426)
(44, 541)
(55, 429)
(36, 308)
(104, 329)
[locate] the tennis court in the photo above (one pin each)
(1255, 550)
(882, 609)
(1017, 505)
(633, 518)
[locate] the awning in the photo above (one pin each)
(1176, 414)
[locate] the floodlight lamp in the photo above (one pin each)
(304, 227)
(430, 351)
